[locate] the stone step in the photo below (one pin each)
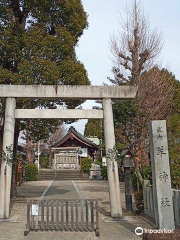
(69, 177)
(40, 177)
(78, 179)
(47, 174)
(18, 200)
(63, 172)
(59, 175)
(47, 178)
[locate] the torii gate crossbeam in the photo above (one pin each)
(105, 93)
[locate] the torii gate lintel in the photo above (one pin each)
(105, 93)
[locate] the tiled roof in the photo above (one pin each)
(77, 134)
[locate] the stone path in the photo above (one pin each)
(109, 230)
(62, 190)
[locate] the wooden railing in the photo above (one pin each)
(62, 215)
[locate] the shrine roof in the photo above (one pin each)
(72, 132)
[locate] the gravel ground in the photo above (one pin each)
(109, 230)
(88, 189)
(99, 190)
(32, 189)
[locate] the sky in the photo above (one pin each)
(104, 19)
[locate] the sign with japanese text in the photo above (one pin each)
(35, 208)
(161, 175)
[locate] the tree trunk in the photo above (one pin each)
(139, 176)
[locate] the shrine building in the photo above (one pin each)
(68, 151)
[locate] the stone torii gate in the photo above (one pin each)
(104, 93)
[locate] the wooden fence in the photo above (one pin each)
(62, 215)
(149, 203)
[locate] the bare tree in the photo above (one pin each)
(44, 144)
(60, 132)
(154, 102)
(134, 53)
(136, 47)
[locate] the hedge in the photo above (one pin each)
(86, 165)
(31, 172)
(44, 162)
(104, 172)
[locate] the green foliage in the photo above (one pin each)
(31, 172)
(173, 125)
(124, 111)
(131, 118)
(138, 197)
(175, 174)
(38, 41)
(98, 161)
(86, 165)
(134, 181)
(93, 128)
(176, 99)
(147, 173)
(104, 173)
(44, 161)
(174, 148)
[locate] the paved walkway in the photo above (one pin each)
(109, 230)
(62, 190)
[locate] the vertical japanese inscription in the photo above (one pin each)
(161, 175)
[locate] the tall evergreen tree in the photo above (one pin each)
(37, 46)
(94, 127)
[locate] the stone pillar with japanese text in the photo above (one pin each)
(163, 203)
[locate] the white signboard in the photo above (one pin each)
(35, 209)
(84, 152)
(104, 162)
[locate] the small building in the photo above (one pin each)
(68, 151)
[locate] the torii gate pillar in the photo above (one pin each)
(10, 92)
(6, 167)
(112, 168)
